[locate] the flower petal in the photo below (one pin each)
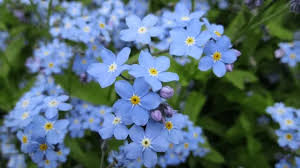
(219, 69)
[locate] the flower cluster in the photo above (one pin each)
(288, 133)
(37, 125)
(117, 44)
(289, 53)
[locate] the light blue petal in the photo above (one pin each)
(210, 48)
(97, 70)
(61, 124)
(64, 107)
(219, 69)
(143, 38)
(150, 101)
(51, 155)
(137, 71)
(124, 89)
(223, 43)
(178, 49)
(155, 31)
(123, 55)
(107, 56)
(195, 51)
(153, 129)
(150, 20)
(153, 82)
(63, 98)
(205, 63)
(51, 112)
(168, 76)
(139, 116)
(203, 38)
(106, 132)
(146, 60)
(136, 133)
(128, 35)
(160, 144)
(229, 56)
(194, 27)
(108, 79)
(53, 137)
(134, 150)
(121, 132)
(150, 158)
(197, 15)
(123, 106)
(175, 136)
(162, 63)
(178, 35)
(141, 87)
(133, 21)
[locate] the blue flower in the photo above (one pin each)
(288, 138)
(41, 149)
(190, 41)
(183, 15)
(115, 125)
(172, 128)
(139, 30)
(217, 54)
(291, 57)
(53, 104)
(54, 130)
(283, 164)
(136, 101)
(215, 31)
(153, 70)
(107, 72)
(146, 143)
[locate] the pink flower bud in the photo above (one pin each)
(166, 92)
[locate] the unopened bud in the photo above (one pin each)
(169, 111)
(229, 67)
(237, 52)
(166, 92)
(156, 115)
(279, 53)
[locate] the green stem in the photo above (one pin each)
(49, 12)
(34, 8)
(102, 153)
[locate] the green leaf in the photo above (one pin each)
(194, 104)
(239, 77)
(91, 92)
(214, 156)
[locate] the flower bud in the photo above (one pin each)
(237, 52)
(279, 53)
(169, 111)
(229, 67)
(166, 92)
(156, 115)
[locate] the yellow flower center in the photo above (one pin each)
(24, 139)
(195, 135)
(217, 33)
(102, 111)
(91, 120)
(116, 120)
(185, 18)
(280, 111)
(47, 162)
(146, 142)
(142, 30)
(217, 56)
(153, 72)
(289, 136)
(25, 103)
(293, 56)
(112, 67)
(135, 99)
(171, 145)
(169, 125)
(289, 122)
(25, 115)
(53, 103)
(46, 53)
(86, 29)
(186, 145)
(59, 153)
(83, 61)
(48, 126)
(76, 121)
(190, 41)
(43, 147)
(94, 47)
(51, 65)
(101, 25)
